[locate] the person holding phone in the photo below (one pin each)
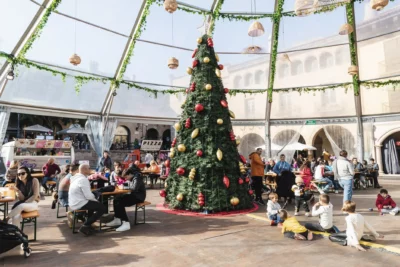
(27, 191)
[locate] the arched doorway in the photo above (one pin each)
(152, 134)
(166, 137)
(391, 154)
(341, 138)
(249, 143)
(284, 137)
(122, 138)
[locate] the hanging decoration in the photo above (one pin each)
(378, 5)
(170, 5)
(173, 63)
(75, 59)
(256, 29)
(353, 70)
(346, 29)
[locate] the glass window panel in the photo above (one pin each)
(264, 6)
(159, 27)
(117, 15)
(372, 23)
(150, 64)
(379, 57)
(248, 106)
(99, 50)
(331, 103)
(380, 100)
(313, 67)
(16, 15)
(205, 4)
(42, 89)
(288, 5)
(245, 71)
(140, 103)
(320, 30)
(232, 36)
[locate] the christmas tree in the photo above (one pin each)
(206, 170)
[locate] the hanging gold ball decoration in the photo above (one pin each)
(189, 70)
(179, 197)
(237, 142)
(219, 154)
(75, 60)
(195, 133)
(353, 70)
(346, 29)
(231, 114)
(199, 40)
(206, 60)
(181, 148)
(220, 121)
(177, 127)
(170, 5)
(208, 87)
(217, 57)
(173, 63)
(378, 5)
(218, 73)
(256, 29)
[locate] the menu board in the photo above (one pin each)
(33, 143)
(151, 145)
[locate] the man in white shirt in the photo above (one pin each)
(82, 198)
(323, 209)
(319, 175)
(148, 158)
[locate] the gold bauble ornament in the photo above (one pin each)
(177, 127)
(237, 142)
(181, 148)
(191, 177)
(172, 155)
(172, 149)
(208, 87)
(218, 73)
(179, 197)
(195, 133)
(220, 121)
(189, 70)
(219, 154)
(217, 57)
(234, 201)
(75, 60)
(199, 40)
(231, 114)
(206, 60)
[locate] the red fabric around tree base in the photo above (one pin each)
(164, 208)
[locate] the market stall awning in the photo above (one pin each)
(37, 128)
(73, 129)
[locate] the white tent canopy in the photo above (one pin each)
(299, 146)
(273, 147)
(73, 129)
(37, 128)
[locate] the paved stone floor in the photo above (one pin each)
(171, 240)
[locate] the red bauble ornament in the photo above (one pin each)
(226, 181)
(199, 107)
(247, 179)
(163, 193)
(201, 203)
(226, 90)
(193, 87)
(167, 163)
(232, 136)
(194, 53)
(199, 153)
(200, 199)
(188, 123)
(173, 142)
(221, 67)
(240, 181)
(195, 63)
(224, 103)
(210, 42)
(251, 192)
(180, 171)
(243, 159)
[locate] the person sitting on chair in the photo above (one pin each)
(50, 171)
(11, 173)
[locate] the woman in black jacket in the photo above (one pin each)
(137, 195)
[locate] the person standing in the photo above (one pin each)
(326, 155)
(257, 173)
(50, 171)
(285, 179)
(106, 161)
(343, 169)
(148, 159)
(375, 172)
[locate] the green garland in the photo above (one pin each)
(39, 28)
(353, 47)
(214, 16)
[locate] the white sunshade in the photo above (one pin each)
(37, 128)
(73, 129)
(299, 146)
(273, 147)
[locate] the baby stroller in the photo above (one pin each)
(11, 236)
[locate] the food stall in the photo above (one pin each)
(34, 153)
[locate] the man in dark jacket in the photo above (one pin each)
(106, 161)
(137, 195)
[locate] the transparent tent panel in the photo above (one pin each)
(331, 103)
(248, 107)
(14, 20)
(369, 140)
(251, 137)
(317, 30)
(245, 71)
(204, 4)
(379, 57)
(248, 6)
(42, 89)
(118, 15)
(100, 51)
(371, 23)
(183, 33)
(288, 5)
(232, 36)
(381, 100)
(321, 66)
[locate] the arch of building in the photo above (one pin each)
(123, 131)
(378, 146)
(284, 137)
(152, 134)
(248, 144)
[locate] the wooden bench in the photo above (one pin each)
(75, 218)
(141, 207)
(30, 218)
(50, 183)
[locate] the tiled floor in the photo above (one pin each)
(170, 240)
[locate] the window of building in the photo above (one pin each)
(297, 68)
(237, 82)
(250, 107)
(311, 64)
(326, 60)
(248, 79)
(392, 57)
(121, 135)
(258, 77)
(283, 71)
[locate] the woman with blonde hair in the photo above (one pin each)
(11, 173)
(155, 172)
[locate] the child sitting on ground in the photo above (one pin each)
(323, 209)
(299, 196)
(385, 203)
(355, 228)
(273, 209)
(291, 228)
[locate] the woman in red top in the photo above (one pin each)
(306, 173)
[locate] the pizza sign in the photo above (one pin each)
(151, 145)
